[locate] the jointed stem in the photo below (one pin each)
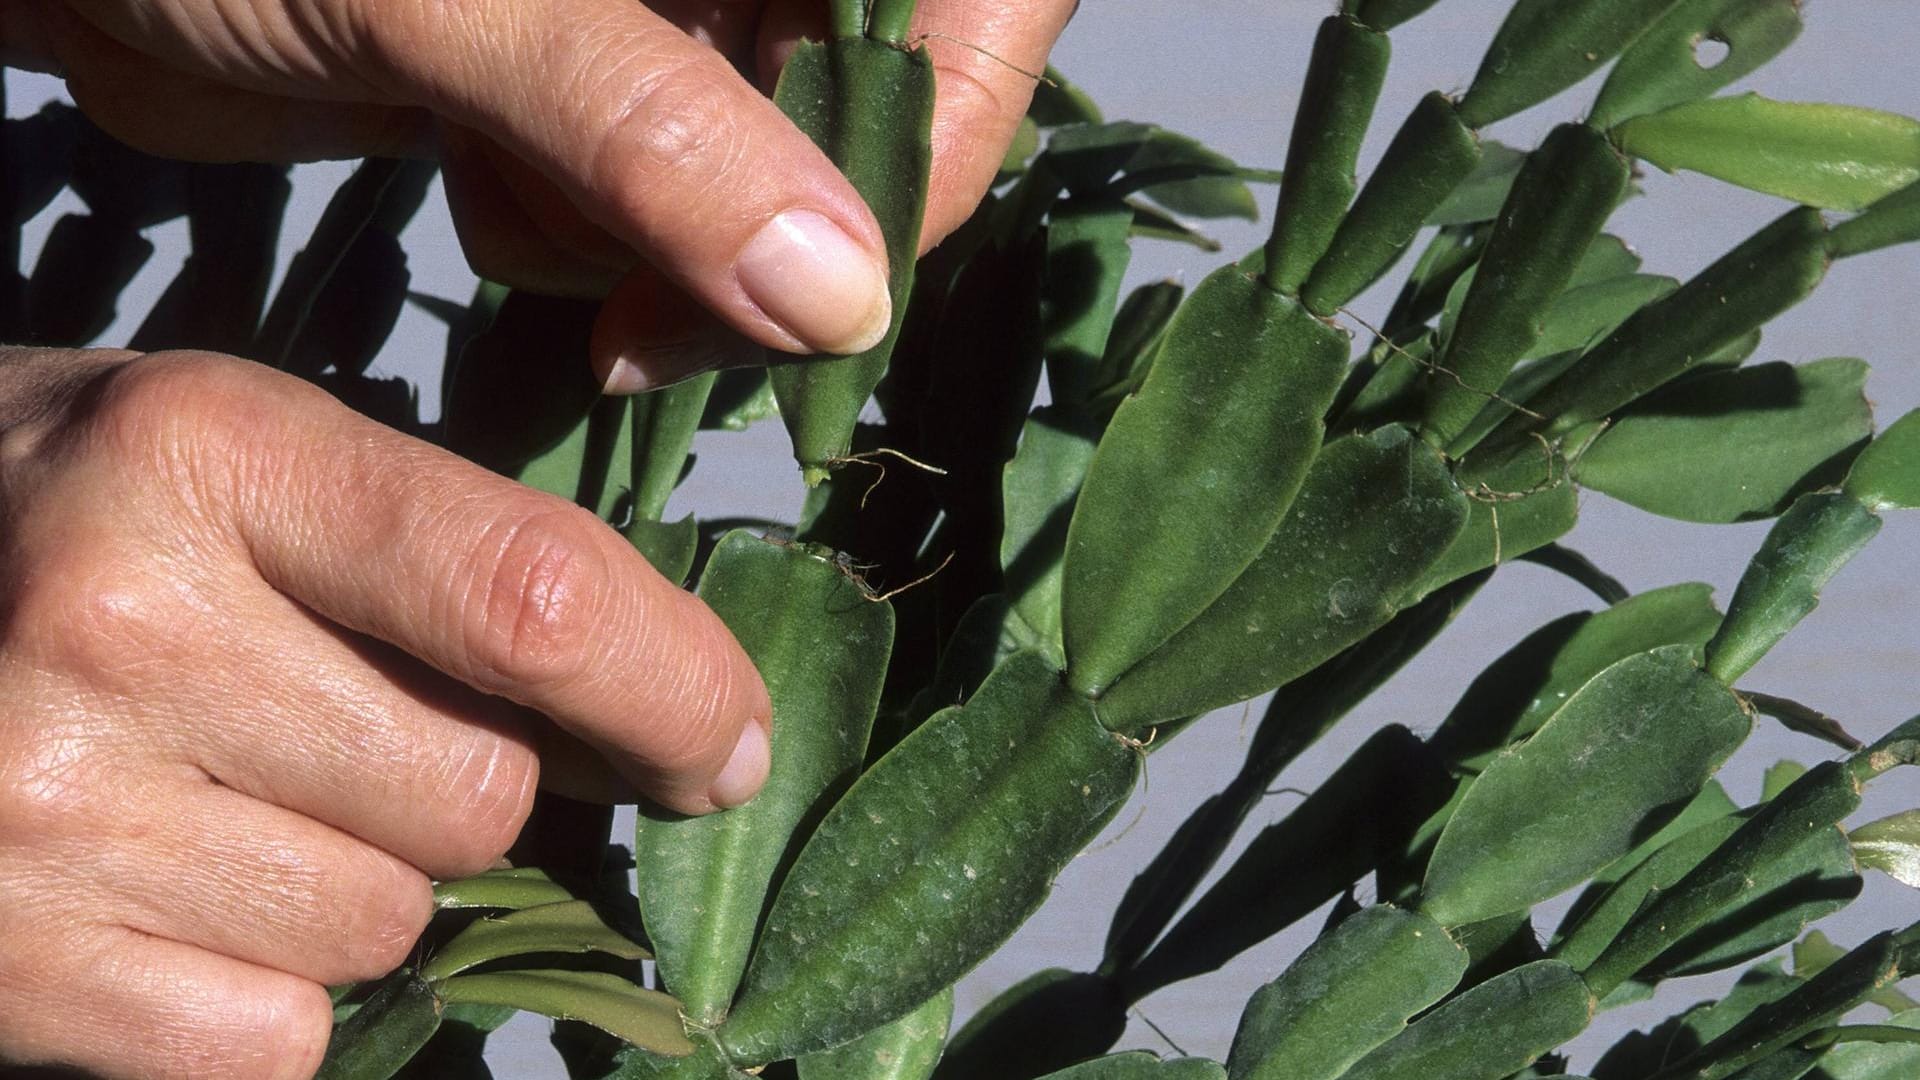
(891, 20)
(849, 18)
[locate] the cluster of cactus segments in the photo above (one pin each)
(991, 613)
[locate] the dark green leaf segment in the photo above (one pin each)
(821, 646)
(1374, 514)
(1195, 471)
(1344, 78)
(867, 99)
(1428, 158)
(1553, 214)
(970, 818)
(385, 1032)
(1638, 741)
(1545, 46)
(1352, 991)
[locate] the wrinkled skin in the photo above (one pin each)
(267, 668)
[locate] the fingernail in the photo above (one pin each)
(745, 772)
(653, 367)
(814, 280)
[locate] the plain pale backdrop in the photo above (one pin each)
(1228, 72)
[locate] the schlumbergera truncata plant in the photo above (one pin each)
(1222, 496)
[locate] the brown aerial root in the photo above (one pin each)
(866, 591)
(869, 458)
(935, 35)
(1437, 367)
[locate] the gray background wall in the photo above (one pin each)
(1228, 72)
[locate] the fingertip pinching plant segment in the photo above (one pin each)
(1220, 499)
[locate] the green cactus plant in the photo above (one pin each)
(1221, 497)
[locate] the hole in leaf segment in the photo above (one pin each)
(1711, 52)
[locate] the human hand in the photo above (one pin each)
(266, 668)
(589, 145)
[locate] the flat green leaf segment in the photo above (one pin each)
(570, 927)
(1811, 880)
(1429, 157)
(1559, 202)
(1087, 258)
(384, 1033)
(670, 546)
(1492, 1030)
(1344, 78)
(1665, 67)
(929, 862)
(1545, 46)
(1770, 272)
(663, 425)
(1517, 693)
(1733, 445)
(1478, 198)
(821, 646)
(1373, 514)
(1838, 157)
(1667, 857)
(705, 1063)
(645, 1018)
(1641, 1055)
(1520, 499)
(1886, 475)
(1195, 471)
(1893, 220)
(1818, 535)
(869, 105)
(1875, 1061)
(1814, 1004)
(1038, 491)
(1351, 991)
(1387, 14)
(515, 888)
(1725, 874)
(1637, 743)
(906, 1049)
(1892, 846)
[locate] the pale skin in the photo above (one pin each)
(267, 669)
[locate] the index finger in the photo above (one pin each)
(507, 589)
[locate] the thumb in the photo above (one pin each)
(658, 140)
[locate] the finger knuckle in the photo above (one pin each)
(160, 410)
(491, 794)
(385, 917)
(50, 780)
(102, 615)
(673, 129)
(279, 1033)
(265, 1036)
(530, 621)
(295, 1026)
(192, 1023)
